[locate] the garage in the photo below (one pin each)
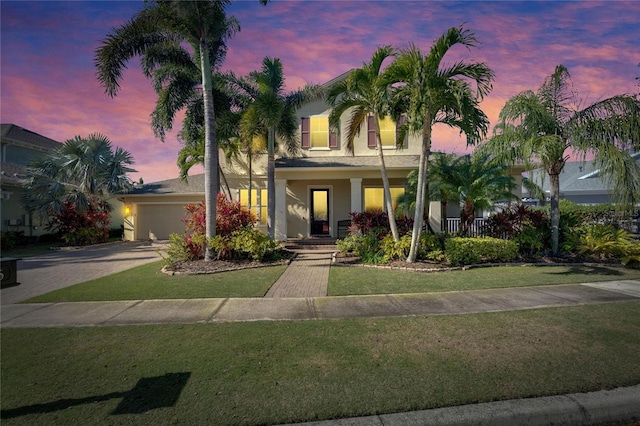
(158, 221)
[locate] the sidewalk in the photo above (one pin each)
(183, 311)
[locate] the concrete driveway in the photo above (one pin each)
(41, 274)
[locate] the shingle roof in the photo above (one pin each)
(21, 136)
(391, 162)
(195, 183)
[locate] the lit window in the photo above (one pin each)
(388, 129)
(374, 198)
(315, 133)
(259, 143)
(258, 205)
(319, 131)
(387, 132)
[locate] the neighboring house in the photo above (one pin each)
(314, 191)
(18, 148)
(580, 182)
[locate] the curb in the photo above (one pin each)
(601, 407)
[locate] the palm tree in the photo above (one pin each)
(479, 182)
(363, 94)
(540, 127)
(431, 92)
(437, 188)
(444, 193)
(81, 173)
(272, 112)
(161, 27)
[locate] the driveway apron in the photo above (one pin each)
(42, 274)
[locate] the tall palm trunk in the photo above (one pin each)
(385, 184)
(211, 180)
(467, 216)
(554, 189)
(443, 212)
(271, 183)
(250, 158)
(420, 193)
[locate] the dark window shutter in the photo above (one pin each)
(333, 140)
(304, 123)
(371, 131)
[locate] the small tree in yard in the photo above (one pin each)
(69, 188)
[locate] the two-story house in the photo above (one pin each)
(314, 191)
(18, 147)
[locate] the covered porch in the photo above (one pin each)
(315, 196)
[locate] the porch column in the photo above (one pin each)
(281, 210)
(356, 194)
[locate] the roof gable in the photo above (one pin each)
(17, 135)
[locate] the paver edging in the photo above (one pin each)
(336, 263)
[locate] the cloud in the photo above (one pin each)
(48, 81)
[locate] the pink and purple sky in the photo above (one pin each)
(48, 82)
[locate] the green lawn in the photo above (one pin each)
(291, 371)
(148, 282)
(358, 280)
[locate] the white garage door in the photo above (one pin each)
(157, 221)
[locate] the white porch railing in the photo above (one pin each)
(453, 224)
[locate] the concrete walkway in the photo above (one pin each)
(306, 276)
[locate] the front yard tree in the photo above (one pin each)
(205, 26)
(479, 182)
(75, 181)
(541, 128)
(432, 92)
(363, 93)
(272, 111)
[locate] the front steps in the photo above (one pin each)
(318, 244)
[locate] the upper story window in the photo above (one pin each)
(388, 129)
(315, 133)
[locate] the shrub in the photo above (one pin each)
(9, 240)
(608, 242)
(430, 243)
(531, 240)
(230, 217)
(116, 232)
(367, 246)
(349, 244)
(82, 227)
(466, 251)
(377, 222)
(249, 242)
(177, 250)
(392, 250)
(529, 228)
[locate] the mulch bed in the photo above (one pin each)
(214, 266)
(341, 259)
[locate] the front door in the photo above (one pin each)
(319, 212)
